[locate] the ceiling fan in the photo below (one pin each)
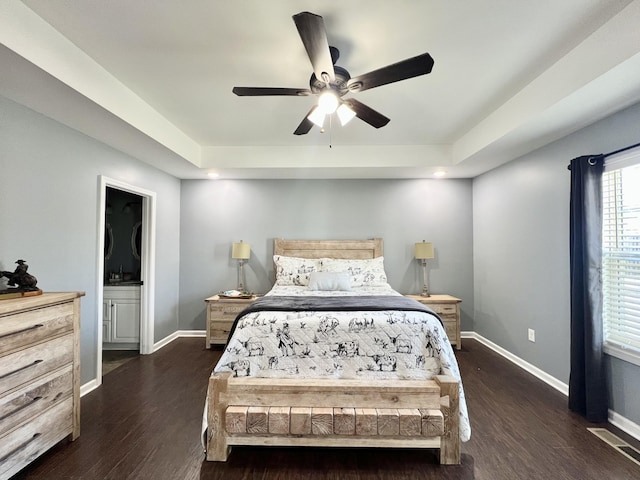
(332, 82)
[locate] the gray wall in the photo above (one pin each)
(216, 213)
(521, 255)
(501, 241)
(49, 195)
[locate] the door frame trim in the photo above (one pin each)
(147, 265)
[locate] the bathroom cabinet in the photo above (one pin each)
(121, 317)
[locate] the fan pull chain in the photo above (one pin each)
(330, 129)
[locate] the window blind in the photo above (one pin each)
(621, 257)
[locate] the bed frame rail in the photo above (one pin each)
(333, 413)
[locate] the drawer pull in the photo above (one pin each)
(19, 447)
(21, 407)
(33, 364)
(33, 327)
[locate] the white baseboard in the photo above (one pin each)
(88, 387)
(180, 333)
(532, 369)
(165, 341)
(192, 333)
(616, 419)
(624, 424)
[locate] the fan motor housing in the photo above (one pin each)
(339, 85)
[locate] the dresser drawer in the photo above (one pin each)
(222, 310)
(25, 365)
(33, 326)
(35, 398)
(220, 330)
(452, 330)
(444, 309)
(448, 319)
(221, 313)
(22, 445)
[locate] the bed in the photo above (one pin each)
(332, 356)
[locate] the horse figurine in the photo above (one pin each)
(20, 278)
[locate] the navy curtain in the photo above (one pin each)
(587, 382)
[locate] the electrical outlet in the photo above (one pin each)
(532, 335)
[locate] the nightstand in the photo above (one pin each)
(448, 308)
(221, 312)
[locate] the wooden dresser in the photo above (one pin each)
(39, 376)
(221, 312)
(448, 308)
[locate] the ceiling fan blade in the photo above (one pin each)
(261, 91)
(314, 37)
(367, 114)
(305, 125)
(409, 68)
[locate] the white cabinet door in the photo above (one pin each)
(125, 321)
(106, 321)
(121, 316)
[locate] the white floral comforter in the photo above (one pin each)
(372, 344)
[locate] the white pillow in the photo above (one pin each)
(365, 272)
(294, 270)
(332, 281)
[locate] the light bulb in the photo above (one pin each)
(328, 102)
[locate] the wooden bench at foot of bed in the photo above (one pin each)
(333, 413)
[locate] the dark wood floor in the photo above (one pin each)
(144, 423)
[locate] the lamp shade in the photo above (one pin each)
(345, 114)
(424, 250)
(241, 250)
(317, 116)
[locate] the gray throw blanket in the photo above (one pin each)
(360, 303)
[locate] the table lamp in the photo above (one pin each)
(241, 251)
(424, 251)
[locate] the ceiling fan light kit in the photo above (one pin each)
(331, 82)
(345, 114)
(328, 102)
(317, 116)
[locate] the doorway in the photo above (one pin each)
(125, 273)
(122, 279)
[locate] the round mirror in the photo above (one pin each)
(136, 240)
(108, 241)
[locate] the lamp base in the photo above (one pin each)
(241, 276)
(425, 289)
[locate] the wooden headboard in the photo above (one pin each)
(352, 249)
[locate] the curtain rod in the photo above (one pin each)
(605, 155)
(621, 150)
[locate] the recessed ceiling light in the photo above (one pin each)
(439, 173)
(213, 175)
